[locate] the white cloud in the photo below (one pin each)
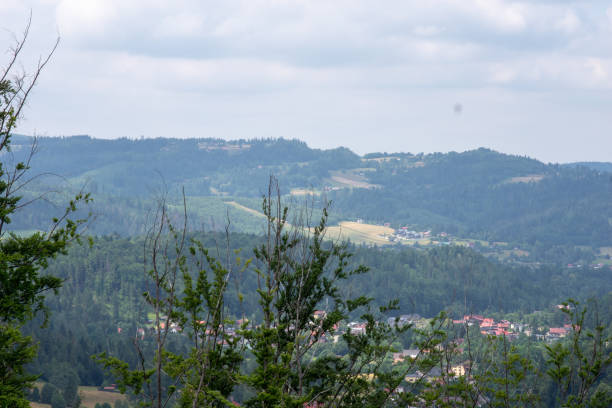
(597, 68)
(180, 25)
(503, 15)
(501, 75)
(86, 17)
(353, 64)
(427, 30)
(569, 23)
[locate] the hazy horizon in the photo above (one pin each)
(323, 148)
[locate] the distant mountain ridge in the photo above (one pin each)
(598, 166)
(480, 193)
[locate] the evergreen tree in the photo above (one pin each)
(58, 401)
(22, 285)
(47, 393)
(35, 396)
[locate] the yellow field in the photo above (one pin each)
(304, 191)
(360, 233)
(90, 396)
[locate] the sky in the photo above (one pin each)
(528, 77)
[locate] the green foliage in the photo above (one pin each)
(22, 285)
(67, 381)
(297, 273)
(121, 404)
(506, 376)
(57, 400)
(16, 350)
(47, 393)
(577, 365)
(35, 395)
(206, 372)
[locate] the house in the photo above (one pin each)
(434, 374)
(487, 323)
(140, 332)
(319, 314)
(413, 377)
(556, 333)
(458, 370)
(405, 354)
(470, 320)
(356, 328)
(403, 320)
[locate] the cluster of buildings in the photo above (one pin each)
(486, 326)
(405, 233)
(593, 266)
(489, 327)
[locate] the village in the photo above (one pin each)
(486, 326)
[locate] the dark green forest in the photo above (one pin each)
(103, 284)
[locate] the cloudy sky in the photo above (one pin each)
(527, 77)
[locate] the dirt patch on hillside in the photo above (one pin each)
(351, 180)
(244, 208)
(533, 178)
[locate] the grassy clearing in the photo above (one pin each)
(467, 242)
(358, 233)
(90, 396)
(304, 192)
(532, 178)
(605, 251)
(350, 179)
(381, 159)
(245, 208)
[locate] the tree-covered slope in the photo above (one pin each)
(480, 193)
(103, 285)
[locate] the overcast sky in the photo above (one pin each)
(531, 78)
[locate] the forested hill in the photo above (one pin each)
(598, 166)
(479, 194)
(103, 286)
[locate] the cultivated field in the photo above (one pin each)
(90, 396)
(360, 233)
(357, 233)
(304, 192)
